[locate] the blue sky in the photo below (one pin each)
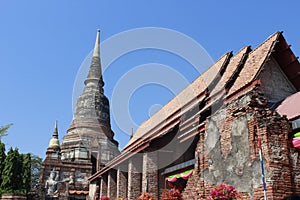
(43, 43)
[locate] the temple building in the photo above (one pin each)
(214, 131)
(242, 112)
(88, 145)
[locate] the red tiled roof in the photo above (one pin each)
(290, 106)
(254, 63)
(241, 72)
(183, 98)
(232, 66)
(170, 113)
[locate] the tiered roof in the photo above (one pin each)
(229, 77)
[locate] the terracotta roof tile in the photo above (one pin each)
(230, 70)
(254, 63)
(188, 94)
(248, 73)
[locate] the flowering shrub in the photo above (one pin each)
(146, 196)
(224, 192)
(104, 198)
(171, 195)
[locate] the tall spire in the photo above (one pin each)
(92, 104)
(95, 73)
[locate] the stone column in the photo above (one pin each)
(103, 186)
(150, 173)
(112, 184)
(122, 180)
(134, 177)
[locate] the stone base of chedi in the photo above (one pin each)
(66, 179)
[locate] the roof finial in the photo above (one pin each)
(55, 132)
(131, 133)
(97, 45)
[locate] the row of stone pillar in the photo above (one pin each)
(129, 180)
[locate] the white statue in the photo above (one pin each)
(51, 184)
(71, 179)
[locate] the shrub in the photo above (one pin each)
(224, 192)
(171, 195)
(146, 196)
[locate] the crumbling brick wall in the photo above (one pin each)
(228, 151)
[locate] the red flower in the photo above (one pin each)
(224, 192)
(146, 196)
(171, 195)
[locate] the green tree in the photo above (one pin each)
(2, 159)
(36, 163)
(3, 130)
(7, 182)
(12, 172)
(26, 173)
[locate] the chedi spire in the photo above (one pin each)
(54, 142)
(95, 73)
(92, 103)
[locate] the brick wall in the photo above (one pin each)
(295, 167)
(112, 184)
(122, 176)
(103, 186)
(150, 173)
(228, 152)
(67, 173)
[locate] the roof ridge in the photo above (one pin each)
(278, 33)
(232, 71)
(239, 51)
(255, 60)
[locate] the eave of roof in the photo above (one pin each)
(239, 77)
(189, 94)
(288, 61)
(151, 128)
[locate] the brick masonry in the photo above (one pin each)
(122, 179)
(103, 186)
(150, 173)
(112, 184)
(227, 124)
(227, 151)
(66, 172)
